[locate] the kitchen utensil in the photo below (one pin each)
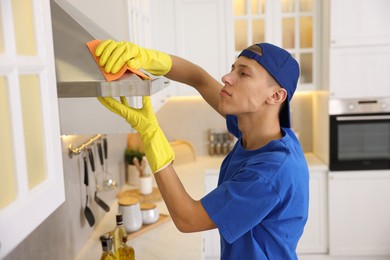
(87, 211)
(101, 203)
(92, 163)
(137, 165)
(108, 181)
(98, 200)
(142, 166)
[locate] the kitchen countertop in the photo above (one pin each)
(165, 241)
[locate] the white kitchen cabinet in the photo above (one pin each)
(358, 48)
(32, 181)
(194, 30)
(314, 239)
(359, 213)
(359, 23)
(211, 33)
(359, 72)
(211, 238)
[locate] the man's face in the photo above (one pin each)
(246, 88)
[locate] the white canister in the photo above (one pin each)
(131, 212)
(146, 184)
(150, 213)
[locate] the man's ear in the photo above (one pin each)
(279, 96)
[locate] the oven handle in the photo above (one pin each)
(354, 118)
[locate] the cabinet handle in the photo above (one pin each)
(354, 118)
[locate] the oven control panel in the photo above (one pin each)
(358, 106)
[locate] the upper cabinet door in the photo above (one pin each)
(201, 36)
(195, 30)
(359, 53)
(359, 23)
(31, 172)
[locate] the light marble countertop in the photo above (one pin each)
(165, 241)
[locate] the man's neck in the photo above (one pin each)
(257, 132)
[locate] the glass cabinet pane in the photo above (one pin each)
(239, 7)
(7, 169)
(306, 32)
(258, 31)
(288, 6)
(33, 129)
(306, 5)
(249, 22)
(241, 34)
(306, 64)
(288, 36)
(257, 7)
(24, 27)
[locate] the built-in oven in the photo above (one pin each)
(359, 134)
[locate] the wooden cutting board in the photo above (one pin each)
(155, 196)
(145, 228)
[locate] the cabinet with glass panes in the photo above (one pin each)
(31, 170)
(290, 24)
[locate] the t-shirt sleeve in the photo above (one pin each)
(237, 205)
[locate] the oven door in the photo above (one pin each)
(359, 142)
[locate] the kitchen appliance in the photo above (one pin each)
(77, 73)
(359, 134)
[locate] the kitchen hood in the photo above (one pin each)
(77, 73)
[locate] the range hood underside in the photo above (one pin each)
(77, 73)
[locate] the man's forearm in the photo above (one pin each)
(188, 214)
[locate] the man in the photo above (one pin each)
(260, 206)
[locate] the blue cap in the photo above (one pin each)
(282, 67)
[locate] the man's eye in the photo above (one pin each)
(243, 74)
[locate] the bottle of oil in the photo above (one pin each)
(126, 252)
(121, 249)
(107, 253)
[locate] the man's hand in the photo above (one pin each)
(158, 151)
(114, 55)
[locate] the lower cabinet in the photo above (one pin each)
(211, 244)
(314, 239)
(359, 213)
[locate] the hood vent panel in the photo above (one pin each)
(77, 73)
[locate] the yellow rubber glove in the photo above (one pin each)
(114, 55)
(158, 151)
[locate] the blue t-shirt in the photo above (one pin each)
(261, 203)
